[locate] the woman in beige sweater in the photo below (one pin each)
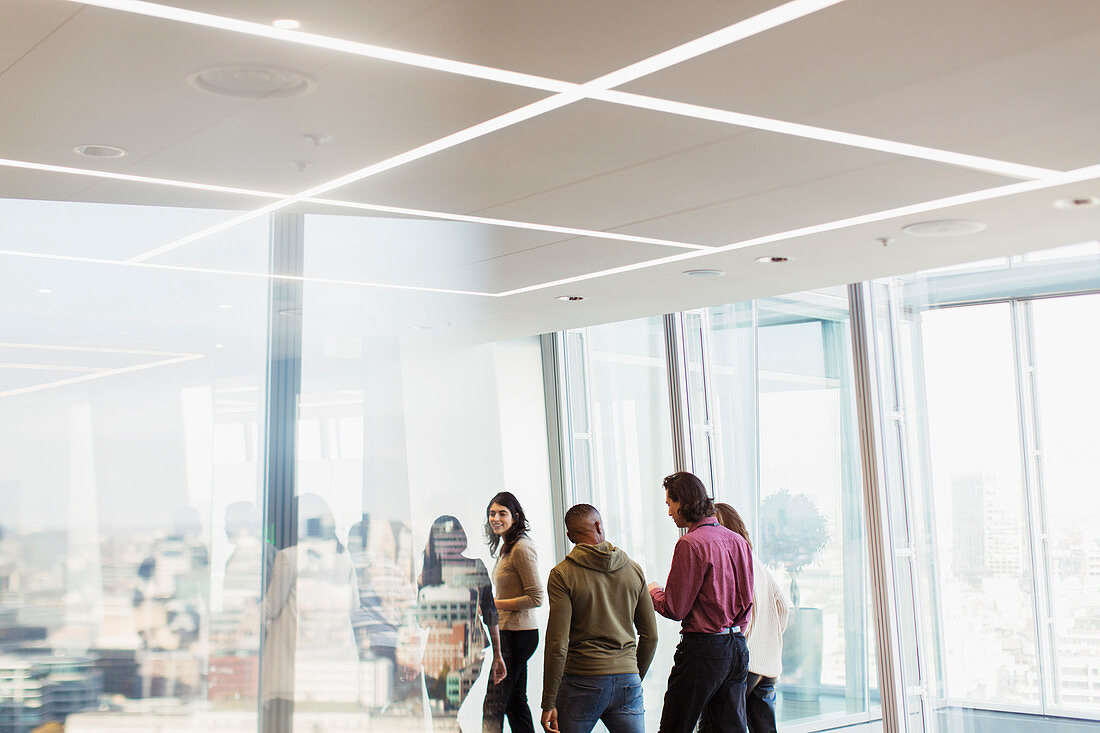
(770, 611)
(518, 591)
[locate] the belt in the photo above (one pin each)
(723, 632)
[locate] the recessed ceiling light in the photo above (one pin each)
(289, 23)
(773, 260)
(99, 151)
(252, 82)
(703, 273)
(945, 228)
(1077, 202)
(225, 306)
(45, 291)
(219, 346)
(570, 298)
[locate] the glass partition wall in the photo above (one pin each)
(987, 414)
(210, 477)
(234, 502)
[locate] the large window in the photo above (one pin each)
(989, 384)
(767, 404)
(986, 414)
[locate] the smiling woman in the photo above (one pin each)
(518, 591)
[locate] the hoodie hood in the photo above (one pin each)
(604, 557)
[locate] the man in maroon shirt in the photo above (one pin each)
(710, 590)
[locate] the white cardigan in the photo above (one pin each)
(770, 611)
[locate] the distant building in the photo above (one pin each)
(35, 690)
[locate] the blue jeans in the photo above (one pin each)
(760, 703)
(616, 699)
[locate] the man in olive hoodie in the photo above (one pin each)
(594, 666)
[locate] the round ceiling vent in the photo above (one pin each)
(252, 82)
(946, 228)
(99, 151)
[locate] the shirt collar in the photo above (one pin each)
(705, 521)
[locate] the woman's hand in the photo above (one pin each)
(499, 671)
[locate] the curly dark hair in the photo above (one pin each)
(519, 527)
(687, 489)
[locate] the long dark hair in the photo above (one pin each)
(687, 489)
(446, 539)
(519, 526)
(731, 519)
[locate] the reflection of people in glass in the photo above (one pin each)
(386, 596)
(173, 585)
(770, 611)
(518, 591)
(309, 648)
(455, 599)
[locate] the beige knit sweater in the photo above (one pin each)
(770, 611)
(516, 575)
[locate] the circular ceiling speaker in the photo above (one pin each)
(252, 82)
(945, 228)
(99, 151)
(703, 273)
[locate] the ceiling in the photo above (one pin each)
(463, 164)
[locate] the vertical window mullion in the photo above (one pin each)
(1031, 450)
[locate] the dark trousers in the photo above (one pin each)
(707, 685)
(510, 696)
(760, 703)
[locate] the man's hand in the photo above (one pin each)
(499, 671)
(550, 720)
(653, 587)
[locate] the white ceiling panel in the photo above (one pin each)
(816, 200)
(968, 76)
(455, 255)
(27, 23)
(636, 166)
(364, 111)
(573, 40)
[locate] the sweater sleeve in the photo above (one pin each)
(782, 606)
(525, 561)
(557, 638)
(645, 621)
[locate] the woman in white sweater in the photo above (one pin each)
(770, 611)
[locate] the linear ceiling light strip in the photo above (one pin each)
(354, 205)
(51, 367)
(963, 160)
(381, 53)
(1074, 176)
(730, 34)
(723, 37)
(27, 165)
(509, 223)
(97, 375)
(239, 273)
(95, 349)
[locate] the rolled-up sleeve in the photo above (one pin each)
(685, 578)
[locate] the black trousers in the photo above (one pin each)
(707, 685)
(509, 698)
(760, 703)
